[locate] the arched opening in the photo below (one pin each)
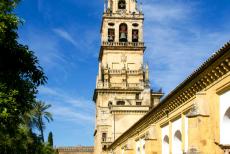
(121, 4)
(224, 115)
(135, 35)
(177, 141)
(226, 126)
(123, 32)
(165, 145)
(111, 35)
(104, 136)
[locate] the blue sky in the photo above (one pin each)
(65, 35)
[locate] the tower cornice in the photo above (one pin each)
(110, 90)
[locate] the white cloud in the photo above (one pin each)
(176, 43)
(61, 95)
(67, 107)
(65, 35)
(68, 114)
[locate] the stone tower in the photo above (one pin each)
(122, 95)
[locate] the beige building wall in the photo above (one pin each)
(189, 120)
(75, 150)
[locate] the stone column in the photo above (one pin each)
(152, 144)
(199, 128)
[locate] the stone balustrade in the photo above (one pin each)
(129, 72)
(123, 44)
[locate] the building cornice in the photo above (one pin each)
(209, 72)
(115, 90)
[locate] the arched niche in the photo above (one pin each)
(226, 127)
(224, 118)
(227, 116)
(165, 145)
(177, 142)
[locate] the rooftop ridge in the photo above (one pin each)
(224, 49)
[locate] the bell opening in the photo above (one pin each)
(123, 33)
(135, 35)
(111, 35)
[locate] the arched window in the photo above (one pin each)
(123, 32)
(121, 4)
(177, 141)
(224, 118)
(120, 103)
(165, 145)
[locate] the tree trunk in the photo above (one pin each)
(41, 128)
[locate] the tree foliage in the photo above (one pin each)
(20, 76)
(50, 139)
(40, 113)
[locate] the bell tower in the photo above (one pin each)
(123, 94)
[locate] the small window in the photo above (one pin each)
(138, 103)
(120, 103)
(111, 24)
(135, 35)
(135, 24)
(110, 104)
(111, 35)
(121, 4)
(104, 136)
(137, 96)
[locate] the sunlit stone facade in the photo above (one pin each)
(122, 95)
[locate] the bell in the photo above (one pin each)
(123, 36)
(110, 38)
(135, 37)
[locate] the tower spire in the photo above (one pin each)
(141, 6)
(105, 5)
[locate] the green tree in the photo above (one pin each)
(41, 113)
(20, 75)
(50, 139)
